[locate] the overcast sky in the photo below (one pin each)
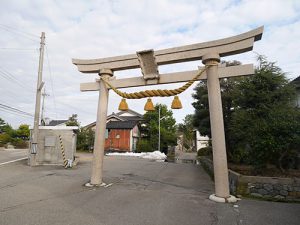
(96, 29)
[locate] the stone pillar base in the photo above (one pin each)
(95, 185)
(230, 199)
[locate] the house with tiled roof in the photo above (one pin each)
(122, 131)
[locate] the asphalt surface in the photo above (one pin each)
(7, 155)
(141, 192)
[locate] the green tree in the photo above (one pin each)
(2, 124)
(143, 145)
(17, 137)
(20, 136)
(23, 132)
(167, 127)
(5, 127)
(5, 132)
(187, 130)
(261, 124)
(201, 117)
(85, 139)
(4, 139)
(265, 126)
(73, 121)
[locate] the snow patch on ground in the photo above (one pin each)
(156, 155)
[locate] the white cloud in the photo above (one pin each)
(95, 29)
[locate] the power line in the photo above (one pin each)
(9, 76)
(18, 32)
(51, 81)
(44, 94)
(14, 110)
(78, 109)
(6, 77)
(14, 113)
(19, 49)
(27, 33)
(11, 95)
(52, 89)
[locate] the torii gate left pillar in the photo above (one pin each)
(97, 163)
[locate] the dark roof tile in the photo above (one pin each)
(121, 124)
(56, 122)
(130, 118)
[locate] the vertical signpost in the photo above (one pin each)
(148, 61)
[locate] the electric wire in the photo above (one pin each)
(14, 113)
(27, 33)
(14, 110)
(78, 109)
(9, 76)
(18, 32)
(51, 80)
(19, 49)
(10, 94)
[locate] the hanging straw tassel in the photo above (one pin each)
(123, 106)
(176, 104)
(149, 105)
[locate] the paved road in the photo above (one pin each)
(143, 192)
(12, 154)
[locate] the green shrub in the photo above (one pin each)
(19, 143)
(205, 151)
(144, 145)
(4, 139)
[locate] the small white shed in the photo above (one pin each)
(49, 148)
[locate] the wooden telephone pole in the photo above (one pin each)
(40, 84)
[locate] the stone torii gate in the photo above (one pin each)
(148, 61)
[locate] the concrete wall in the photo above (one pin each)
(257, 186)
(201, 141)
(49, 150)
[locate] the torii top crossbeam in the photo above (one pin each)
(225, 47)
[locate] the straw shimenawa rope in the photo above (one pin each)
(158, 92)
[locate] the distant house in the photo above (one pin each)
(47, 122)
(57, 123)
(296, 82)
(198, 142)
(122, 131)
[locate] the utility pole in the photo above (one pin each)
(159, 119)
(40, 83)
(159, 128)
(44, 94)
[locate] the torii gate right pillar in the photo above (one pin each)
(217, 130)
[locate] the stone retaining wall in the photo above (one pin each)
(256, 186)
